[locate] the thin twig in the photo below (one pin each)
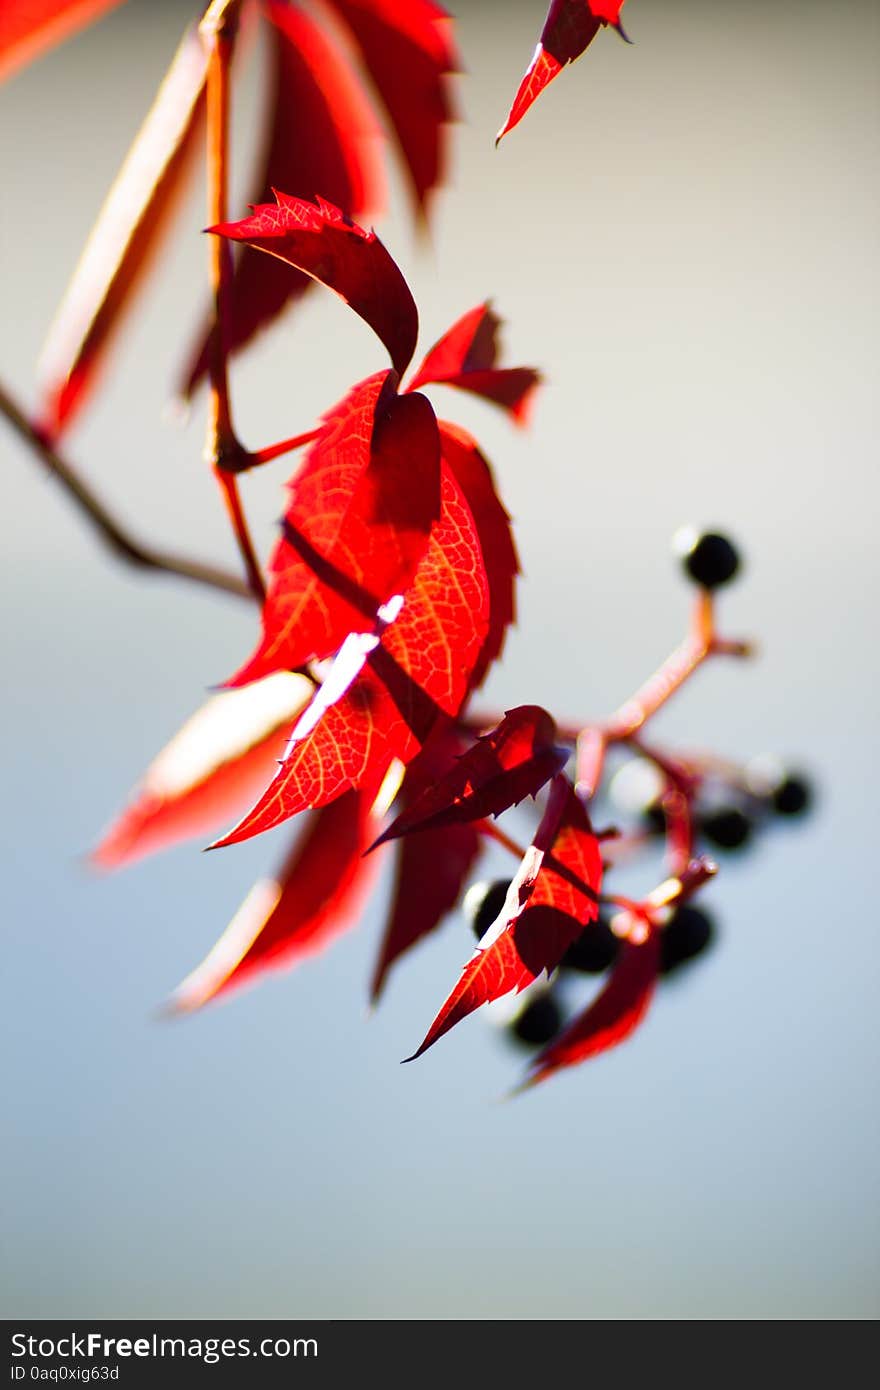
(109, 529)
(222, 448)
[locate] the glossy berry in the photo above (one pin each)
(727, 827)
(792, 796)
(710, 559)
(687, 934)
(654, 818)
(594, 951)
(539, 1021)
(483, 902)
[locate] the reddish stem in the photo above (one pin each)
(113, 532)
(222, 448)
(247, 460)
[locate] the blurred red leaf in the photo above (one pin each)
(316, 895)
(213, 767)
(544, 913)
(408, 51)
(322, 138)
(570, 27)
(612, 1016)
(420, 669)
(319, 239)
(465, 357)
(431, 867)
(507, 764)
(358, 523)
(124, 240)
(474, 476)
(28, 28)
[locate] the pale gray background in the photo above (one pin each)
(683, 234)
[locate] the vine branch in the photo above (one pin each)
(109, 529)
(222, 448)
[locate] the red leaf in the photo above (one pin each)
(125, 239)
(215, 765)
(570, 27)
(408, 51)
(420, 669)
(431, 867)
(358, 523)
(512, 761)
(317, 894)
(544, 913)
(474, 476)
(465, 357)
(29, 28)
(313, 90)
(613, 1015)
(320, 240)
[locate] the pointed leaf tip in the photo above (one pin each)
(569, 29)
(317, 894)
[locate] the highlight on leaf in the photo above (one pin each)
(317, 894)
(569, 29)
(125, 240)
(553, 896)
(420, 670)
(466, 357)
(213, 767)
(507, 764)
(319, 239)
(358, 522)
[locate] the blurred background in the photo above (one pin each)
(683, 235)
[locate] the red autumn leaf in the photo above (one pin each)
(213, 767)
(612, 1016)
(319, 239)
(357, 525)
(420, 669)
(314, 89)
(407, 49)
(125, 239)
(29, 28)
(317, 894)
(569, 29)
(466, 356)
(545, 912)
(513, 761)
(431, 868)
(474, 476)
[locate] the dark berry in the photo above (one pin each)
(727, 827)
(792, 796)
(786, 793)
(710, 559)
(539, 1021)
(594, 950)
(483, 902)
(686, 935)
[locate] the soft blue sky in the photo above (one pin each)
(683, 235)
